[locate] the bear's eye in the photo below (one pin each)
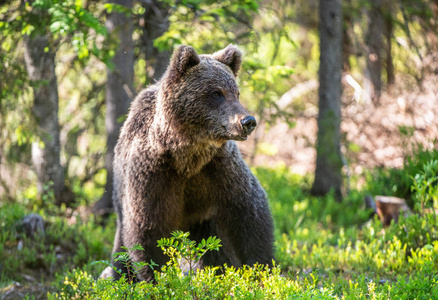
(217, 94)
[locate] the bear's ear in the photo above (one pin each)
(230, 56)
(183, 58)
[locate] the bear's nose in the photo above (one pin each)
(248, 124)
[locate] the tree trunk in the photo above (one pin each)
(329, 160)
(156, 22)
(374, 43)
(40, 65)
(119, 93)
(347, 41)
(389, 31)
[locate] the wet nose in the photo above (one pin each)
(248, 124)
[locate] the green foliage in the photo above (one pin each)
(209, 16)
(399, 182)
(257, 282)
(324, 250)
(425, 187)
(132, 267)
(245, 283)
(68, 242)
(74, 29)
(297, 213)
(419, 230)
(63, 18)
(265, 71)
(179, 248)
(332, 241)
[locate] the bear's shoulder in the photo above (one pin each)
(141, 113)
(145, 101)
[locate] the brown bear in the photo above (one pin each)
(177, 166)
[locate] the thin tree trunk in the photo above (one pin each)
(40, 65)
(119, 93)
(389, 31)
(374, 46)
(328, 173)
(347, 41)
(156, 23)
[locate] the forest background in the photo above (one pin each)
(341, 90)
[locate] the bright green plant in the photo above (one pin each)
(420, 228)
(132, 267)
(256, 282)
(425, 187)
(399, 182)
(260, 282)
(181, 249)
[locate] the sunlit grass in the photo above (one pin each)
(324, 249)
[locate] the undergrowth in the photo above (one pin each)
(68, 241)
(324, 249)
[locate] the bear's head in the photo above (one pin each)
(201, 98)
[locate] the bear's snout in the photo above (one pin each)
(248, 124)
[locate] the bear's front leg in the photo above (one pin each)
(148, 240)
(151, 210)
(248, 223)
(244, 217)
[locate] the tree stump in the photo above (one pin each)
(388, 208)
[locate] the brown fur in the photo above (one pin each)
(177, 168)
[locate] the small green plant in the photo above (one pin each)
(399, 182)
(420, 229)
(425, 187)
(132, 267)
(182, 250)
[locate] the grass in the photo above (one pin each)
(324, 249)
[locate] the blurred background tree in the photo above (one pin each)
(153, 23)
(40, 28)
(328, 173)
(119, 89)
(40, 64)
